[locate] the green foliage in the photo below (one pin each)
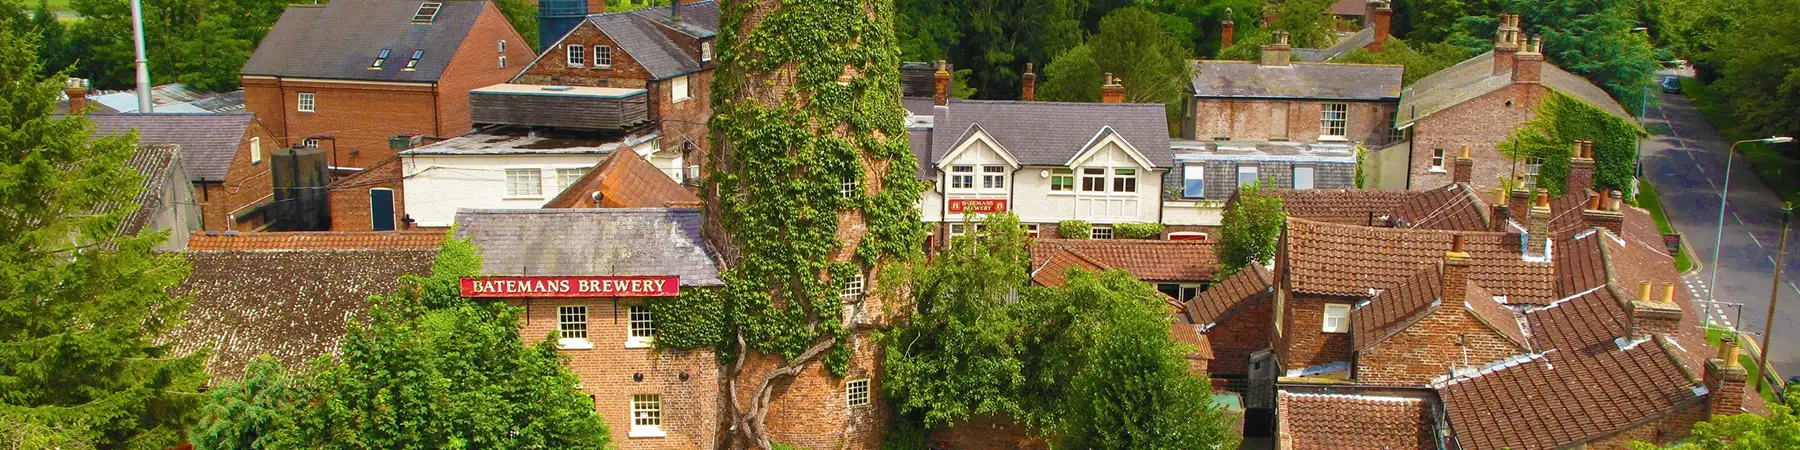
(1590, 38)
(1138, 230)
(1779, 430)
(632, 5)
(202, 43)
(256, 412)
(1560, 121)
(694, 319)
(1432, 58)
(1760, 71)
(906, 433)
(1249, 231)
(80, 308)
(1074, 229)
(1362, 160)
(994, 39)
(21, 434)
(1435, 20)
(1141, 54)
(1074, 76)
(523, 16)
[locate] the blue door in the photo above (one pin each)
(381, 209)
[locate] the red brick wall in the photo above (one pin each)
(1479, 123)
(1307, 345)
(1240, 335)
(553, 68)
(986, 433)
(1428, 349)
(361, 116)
(1661, 432)
(809, 410)
(245, 183)
(690, 409)
(476, 65)
(1257, 120)
(263, 98)
(350, 197)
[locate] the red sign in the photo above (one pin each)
(977, 205)
(571, 287)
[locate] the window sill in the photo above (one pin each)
(574, 344)
(1334, 332)
(1333, 139)
(1437, 170)
(646, 432)
(525, 197)
(638, 343)
(603, 66)
(577, 66)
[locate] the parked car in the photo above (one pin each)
(1672, 85)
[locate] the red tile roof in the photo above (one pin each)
(1355, 422)
(1145, 259)
(1055, 270)
(318, 240)
(1495, 315)
(1347, 260)
(1451, 207)
(625, 180)
(1247, 288)
(1396, 309)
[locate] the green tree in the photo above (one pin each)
(1250, 230)
(256, 412)
(1592, 38)
(1429, 59)
(523, 16)
(994, 39)
(1760, 71)
(1779, 430)
(80, 307)
(1074, 76)
(203, 43)
(1561, 120)
(1435, 20)
(1141, 53)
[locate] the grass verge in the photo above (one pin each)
(1714, 335)
(1647, 199)
(1777, 170)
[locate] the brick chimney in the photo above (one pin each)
(1724, 380)
(1528, 64)
(1112, 91)
(1506, 43)
(1277, 53)
(1538, 229)
(1226, 30)
(596, 7)
(940, 84)
(1029, 81)
(1463, 169)
(1502, 212)
(1599, 212)
(1456, 271)
(1652, 316)
(1381, 15)
(77, 89)
(1581, 169)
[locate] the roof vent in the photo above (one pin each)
(427, 12)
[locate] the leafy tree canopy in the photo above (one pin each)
(1138, 51)
(1779, 430)
(1249, 231)
(1593, 39)
(1430, 58)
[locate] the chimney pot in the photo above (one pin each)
(1643, 291)
(1728, 351)
(1277, 53)
(940, 84)
(1464, 167)
(1112, 91)
(1668, 293)
(1228, 29)
(1543, 198)
(76, 88)
(1456, 243)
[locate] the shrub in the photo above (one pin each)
(1138, 231)
(1074, 229)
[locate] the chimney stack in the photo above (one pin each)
(595, 7)
(1277, 53)
(1528, 64)
(1502, 212)
(1538, 229)
(1456, 271)
(1381, 15)
(1029, 81)
(1581, 169)
(1112, 91)
(1724, 379)
(1506, 43)
(1228, 28)
(1464, 167)
(1652, 316)
(77, 89)
(940, 84)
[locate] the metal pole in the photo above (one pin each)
(143, 64)
(1762, 361)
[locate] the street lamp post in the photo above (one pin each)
(1712, 286)
(1787, 219)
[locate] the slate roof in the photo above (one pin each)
(1236, 293)
(1047, 133)
(1474, 77)
(340, 39)
(1302, 80)
(1349, 260)
(1148, 260)
(591, 242)
(1350, 8)
(292, 305)
(208, 141)
(1354, 422)
(625, 180)
(636, 33)
(1344, 46)
(317, 240)
(155, 163)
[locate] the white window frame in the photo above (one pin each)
(1100, 232)
(518, 187)
(1191, 173)
(1534, 167)
(1336, 323)
(1098, 179)
(640, 326)
(603, 57)
(1184, 291)
(993, 178)
(413, 62)
(646, 416)
(1311, 177)
(306, 102)
(962, 177)
(503, 61)
(502, 45)
(856, 392)
(568, 176)
(958, 228)
(706, 51)
(256, 149)
(572, 327)
(1253, 171)
(1031, 230)
(848, 188)
(575, 55)
(1437, 160)
(309, 143)
(1334, 117)
(679, 89)
(1062, 181)
(1123, 182)
(852, 289)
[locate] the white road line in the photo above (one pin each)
(1795, 288)
(1697, 166)
(1772, 263)
(1758, 242)
(1709, 182)
(1739, 220)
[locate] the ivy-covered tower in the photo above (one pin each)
(811, 194)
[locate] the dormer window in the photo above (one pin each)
(413, 64)
(427, 12)
(379, 59)
(705, 51)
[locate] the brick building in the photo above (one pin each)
(1208, 173)
(651, 398)
(350, 75)
(1178, 269)
(224, 157)
(1277, 99)
(508, 167)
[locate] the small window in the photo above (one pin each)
(852, 289)
(1532, 167)
(1337, 318)
(1193, 181)
(705, 51)
(848, 188)
(572, 323)
(678, 89)
(1062, 180)
(427, 11)
(413, 63)
(566, 177)
(1246, 175)
(958, 229)
(255, 149)
(646, 416)
(379, 59)
(503, 62)
(642, 328)
(1437, 159)
(309, 143)
(1100, 232)
(1303, 177)
(603, 56)
(1395, 134)
(502, 45)
(1335, 120)
(305, 102)
(577, 55)
(1179, 291)
(524, 183)
(1031, 230)
(1124, 180)
(1093, 179)
(856, 392)
(993, 177)
(962, 177)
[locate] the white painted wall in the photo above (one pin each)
(437, 185)
(1038, 204)
(978, 155)
(1193, 212)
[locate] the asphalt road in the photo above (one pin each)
(1686, 162)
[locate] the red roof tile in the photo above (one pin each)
(1247, 288)
(318, 240)
(1347, 260)
(625, 180)
(1147, 260)
(1334, 421)
(1495, 315)
(1055, 270)
(1395, 309)
(1453, 207)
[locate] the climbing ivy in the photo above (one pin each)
(693, 319)
(1561, 120)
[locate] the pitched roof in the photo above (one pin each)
(1345, 421)
(1350, 8)
(1231, 295)
(625, 180)
(636, 33)
(1054, 270)
(1395, 309)
(155, 162)
(1453, 207)
(1049, 133)
(341, 39)
(292, 305)
(208, 141)
(317, 240)
(1344, 46)
(1325, 81)
(1148, 260)
(591, 242)
(1349, 260)
(1475, 77)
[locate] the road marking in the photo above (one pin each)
(1772, 264)
(1795, 288)
(1753, 239)
(1709, 182)
(1739, 220)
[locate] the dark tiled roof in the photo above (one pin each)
(1051, 133)
(1343, 47)
(1350, 8)
(625, 180)
(1235, 293)
(1453, 207)
(1319, 421)
(1324, 81)
(208, 141)
(636, 33)
(155, 163)
(317, 240)
(591, 242)
(1475, 77)
(339, 40)
(1349, 260)
(289, 304)
(1147, 260)
(1395, 309)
